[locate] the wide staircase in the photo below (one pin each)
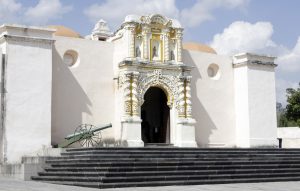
(156, 166)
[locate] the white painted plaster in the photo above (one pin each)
(28, 97)
(290, 136)
(83, 93)
(255, 101)
(212, 100)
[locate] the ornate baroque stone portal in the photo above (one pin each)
(154, 68)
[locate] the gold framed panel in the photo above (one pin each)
(156, 37)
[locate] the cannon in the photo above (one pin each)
(86, 134)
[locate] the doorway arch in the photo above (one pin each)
(155, 115)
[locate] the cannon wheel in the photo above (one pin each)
(91, 141)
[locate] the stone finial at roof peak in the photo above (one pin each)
(101, 31)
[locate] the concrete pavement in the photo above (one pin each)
(7, 184)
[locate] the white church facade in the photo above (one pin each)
(143, 79)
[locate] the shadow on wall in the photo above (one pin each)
(204, 125)
(69, 101)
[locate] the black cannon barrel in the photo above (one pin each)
(100, 128)
(90, 131)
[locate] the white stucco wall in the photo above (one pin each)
(83, 93)
(120, 50)
(242, 106)
(28, 96)
(212, 99)
(290, 136)
(262, 105)
(255, 103)
(1, 114)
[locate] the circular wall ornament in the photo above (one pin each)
(213, 71)
(71, 58)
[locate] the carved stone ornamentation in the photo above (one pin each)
(167, 83)
(127, 94)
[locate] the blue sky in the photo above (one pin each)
(229, 26)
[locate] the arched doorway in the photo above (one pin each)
(155, 114)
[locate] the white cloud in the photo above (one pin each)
(9, 10)
(114, 11)
(202, 10)
(290, 62)
(257, 38)
(244, 37)
(45, 11)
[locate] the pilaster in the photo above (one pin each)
(131, 40)
(145, 36)
(179, 34)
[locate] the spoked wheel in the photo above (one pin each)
(88, 138)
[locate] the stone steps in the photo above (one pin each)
(119, 149)
(104, 179)
(172, 183)
(165, 173)
(168, 163)
(153, 166)
(161, 160)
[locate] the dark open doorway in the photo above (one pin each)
(155, 115)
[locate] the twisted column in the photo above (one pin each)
(127, 95)
(185, 98)
(188, 97)
(134, 94)
(166, 45)
(181, 98)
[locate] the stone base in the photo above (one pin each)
(30, 165)
(131, 132)
(258, 143)
(185, 133)
(268, 143)
(21, 171)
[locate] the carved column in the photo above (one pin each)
(179, 34)
(130, 94)
(131, 44)
(134, 94)
(188, 97)
(185, 122)
(166, 45)
(185, 103)
(127, 94)
(145, 34)
(181, 97)
(130, 121)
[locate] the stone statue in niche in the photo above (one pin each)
(172, 55)
(137, 52)
(154, 52)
